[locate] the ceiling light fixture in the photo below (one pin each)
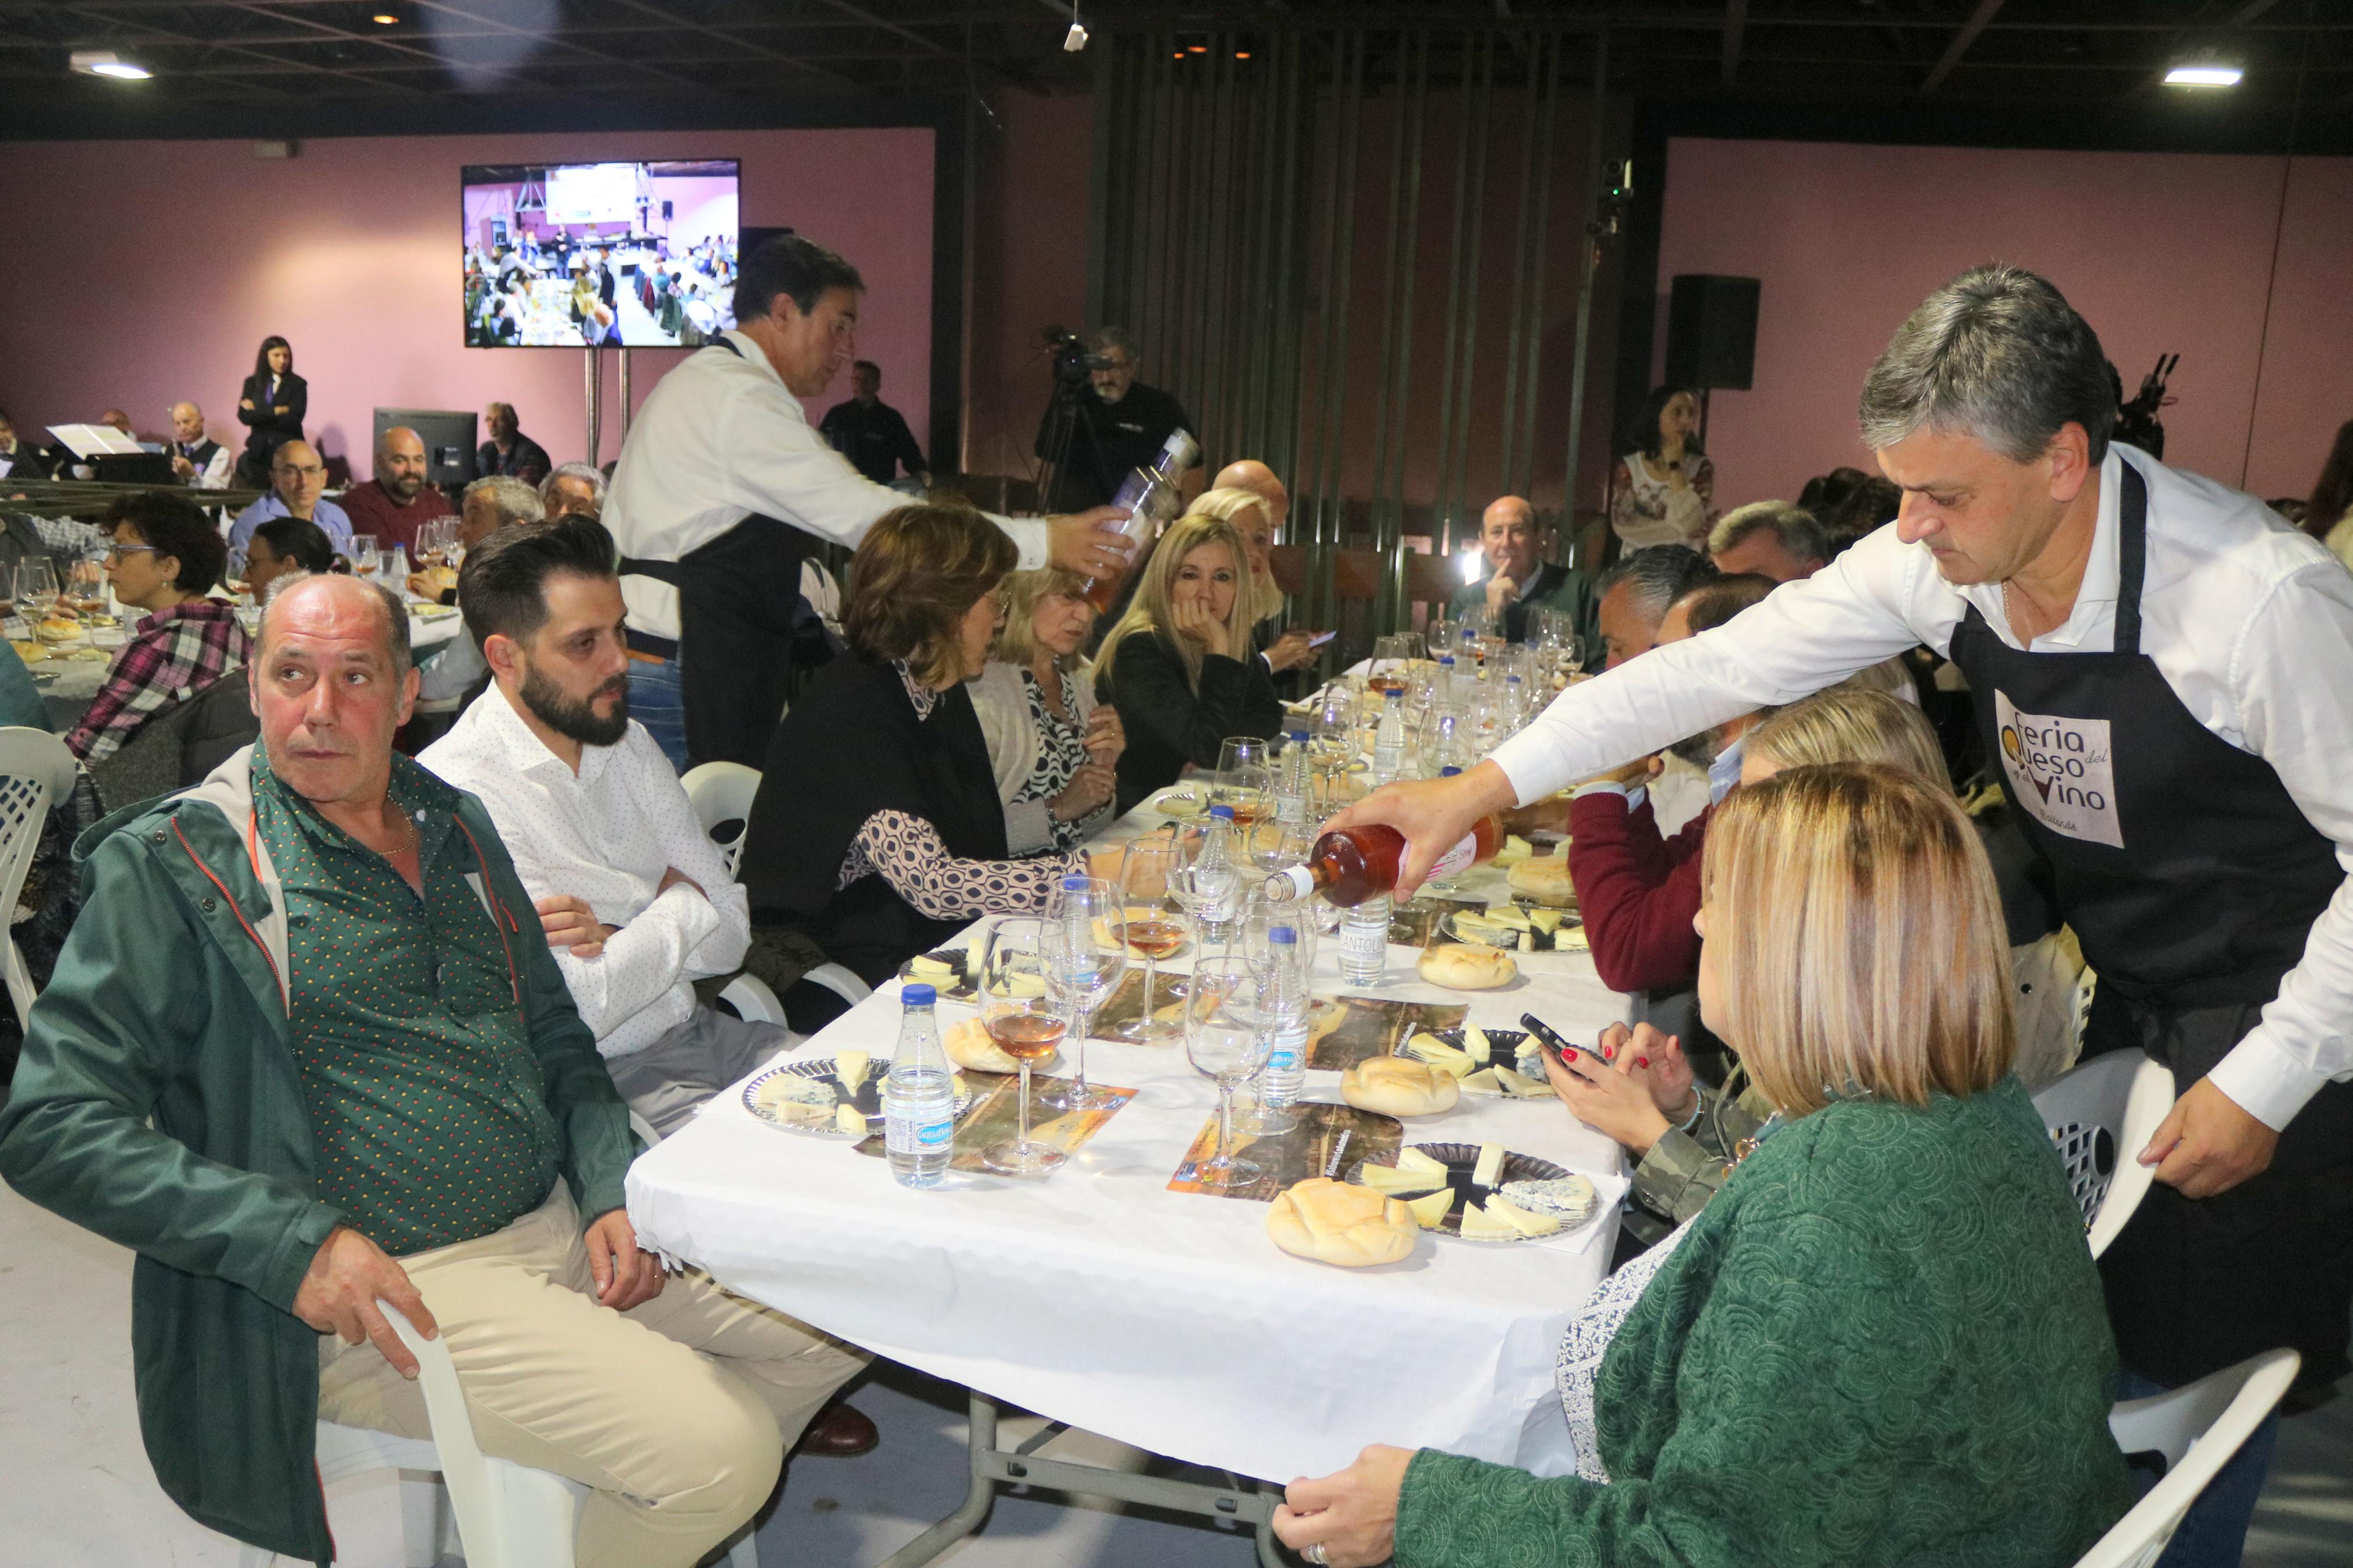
(2206, 73)
(384, 19)
(105, 62)
(1076, 38)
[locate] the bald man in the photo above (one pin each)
(298, 484)
(392, 506)
(1249, 473)
(1518, 579)
(201, 462)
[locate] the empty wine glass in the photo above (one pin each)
(37, 587)
(1226, 1043)
(1156, 924)
(1026, 1023)
(1085, 940)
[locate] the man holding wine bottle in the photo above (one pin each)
(2165, 669)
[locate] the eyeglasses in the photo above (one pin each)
(305, 470)
(115, 552)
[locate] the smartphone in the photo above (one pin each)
(1318, 639)
(1546, 1034)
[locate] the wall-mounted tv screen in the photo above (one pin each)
(602, 255)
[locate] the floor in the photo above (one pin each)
(76, 1491)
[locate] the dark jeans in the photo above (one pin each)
(2214, 1533)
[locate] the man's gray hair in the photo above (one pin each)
(515, 500)
(1103, 340)
(396, 645)
(589, 473)
(1800, 532)
(1996, 354)
(1657, 577)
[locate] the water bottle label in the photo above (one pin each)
(905, 1135)
(1363, 942)
(1291, 810)
(934, 1135)
(1281, 1060)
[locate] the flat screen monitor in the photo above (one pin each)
(451, 436)
(606, 254)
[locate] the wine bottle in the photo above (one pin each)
(1350, 865)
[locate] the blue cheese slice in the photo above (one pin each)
(1570, 1197)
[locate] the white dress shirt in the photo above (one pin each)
(607, 835)
(214, 474)
(720, 439)
(2250, 622)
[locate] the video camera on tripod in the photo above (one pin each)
(1071, 364)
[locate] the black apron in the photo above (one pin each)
(741, 618)
(2193, 881)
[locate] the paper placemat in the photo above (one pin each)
(1362, 1027)
(994, 1119)
(1324, 1141)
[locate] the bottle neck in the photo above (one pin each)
(1294, 882)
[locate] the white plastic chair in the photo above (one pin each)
(508, 1515)
(720, 794)
(35, 772)
(2101, 1114)
(2197, 1427)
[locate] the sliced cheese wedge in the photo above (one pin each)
(1519, 1085)
(1393, 1182)
(931, 968)
(851, 1119)
(1484, 1081)
(1430, 1212)
(1415, 1160)
(850, 1067)
(1546, 920)
(1478, 1225)
(1489, 1171)
(1475, 1041)
(1525, 1221)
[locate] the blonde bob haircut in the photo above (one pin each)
(1017, 639)
(916, 574)
(1856, 940)
(1851, 724)
(1150, 612)
(1233, 503)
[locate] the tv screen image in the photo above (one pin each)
(612, 255)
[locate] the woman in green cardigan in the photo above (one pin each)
(1882, 1343)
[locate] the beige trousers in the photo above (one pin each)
(677, 1412)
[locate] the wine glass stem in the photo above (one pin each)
(1225, 1125)
(1021, 1109)
(1079, 1079)
(1151, 968)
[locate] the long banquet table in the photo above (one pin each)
(1100, 1299)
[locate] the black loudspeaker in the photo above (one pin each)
(1712, 332)
(665, 209)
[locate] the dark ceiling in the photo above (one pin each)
(2038, 56)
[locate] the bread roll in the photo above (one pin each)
(1394, 1085)
(970, 1047)
(1350, 1227)
(1546, 879)
(1461, 968)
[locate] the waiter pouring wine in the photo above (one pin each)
(2165, 670)
(723, 488)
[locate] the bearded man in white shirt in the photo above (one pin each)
(635, 898)
(2164, 670)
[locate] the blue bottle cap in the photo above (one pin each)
(1283, 936)
(1446, 658)
(918, 996)
(1296, 734)
(1077, 884)
(1448, 772)
(1224, 812)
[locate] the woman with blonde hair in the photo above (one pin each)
(1682, 1132)
(1178, 666)
(876, 833)
(1053, 751)
(1810, 1372)
(1249, 513)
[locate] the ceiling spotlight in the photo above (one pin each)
(1076, 38)
(105, 62)
(2205, 73)
(383, 18)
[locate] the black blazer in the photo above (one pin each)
(269, 429)
(1168, 723)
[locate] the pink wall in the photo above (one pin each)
(701, 205)
(161, 289)
(2161, 252)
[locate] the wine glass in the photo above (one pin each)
(86, 585)
(37, 587)
(1085, 939)
(1026, 1023)
(1243, 776)
(1226, 1041)
(367, 559)
(1211, 894)
(1156, 924)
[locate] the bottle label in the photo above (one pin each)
(1291, 810)
(1456, 858)
(1281, 1060)
(908, 1135)
(1364, 943)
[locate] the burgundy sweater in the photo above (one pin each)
(1636, 891)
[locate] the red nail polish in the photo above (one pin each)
(1641, 1061)
(1609, 1053)
(1569, 1053)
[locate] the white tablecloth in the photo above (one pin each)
(1163, 1320)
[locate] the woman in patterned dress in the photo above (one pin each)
(1054, 750)
(1663, 491)
(877, 832)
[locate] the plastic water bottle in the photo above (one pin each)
(1216, 881)
(1295, 781)
(1388, 740)
(919, 1097)
(1365, 940)
(1443, 694)
(396, 570)
(1513, 713)
(1286, 1021)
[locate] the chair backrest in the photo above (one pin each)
(1431, 579)
(2197, 1427)
(721, 796)
(2101, 1114)
(35, 772)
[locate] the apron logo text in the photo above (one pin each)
(2060, 772)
